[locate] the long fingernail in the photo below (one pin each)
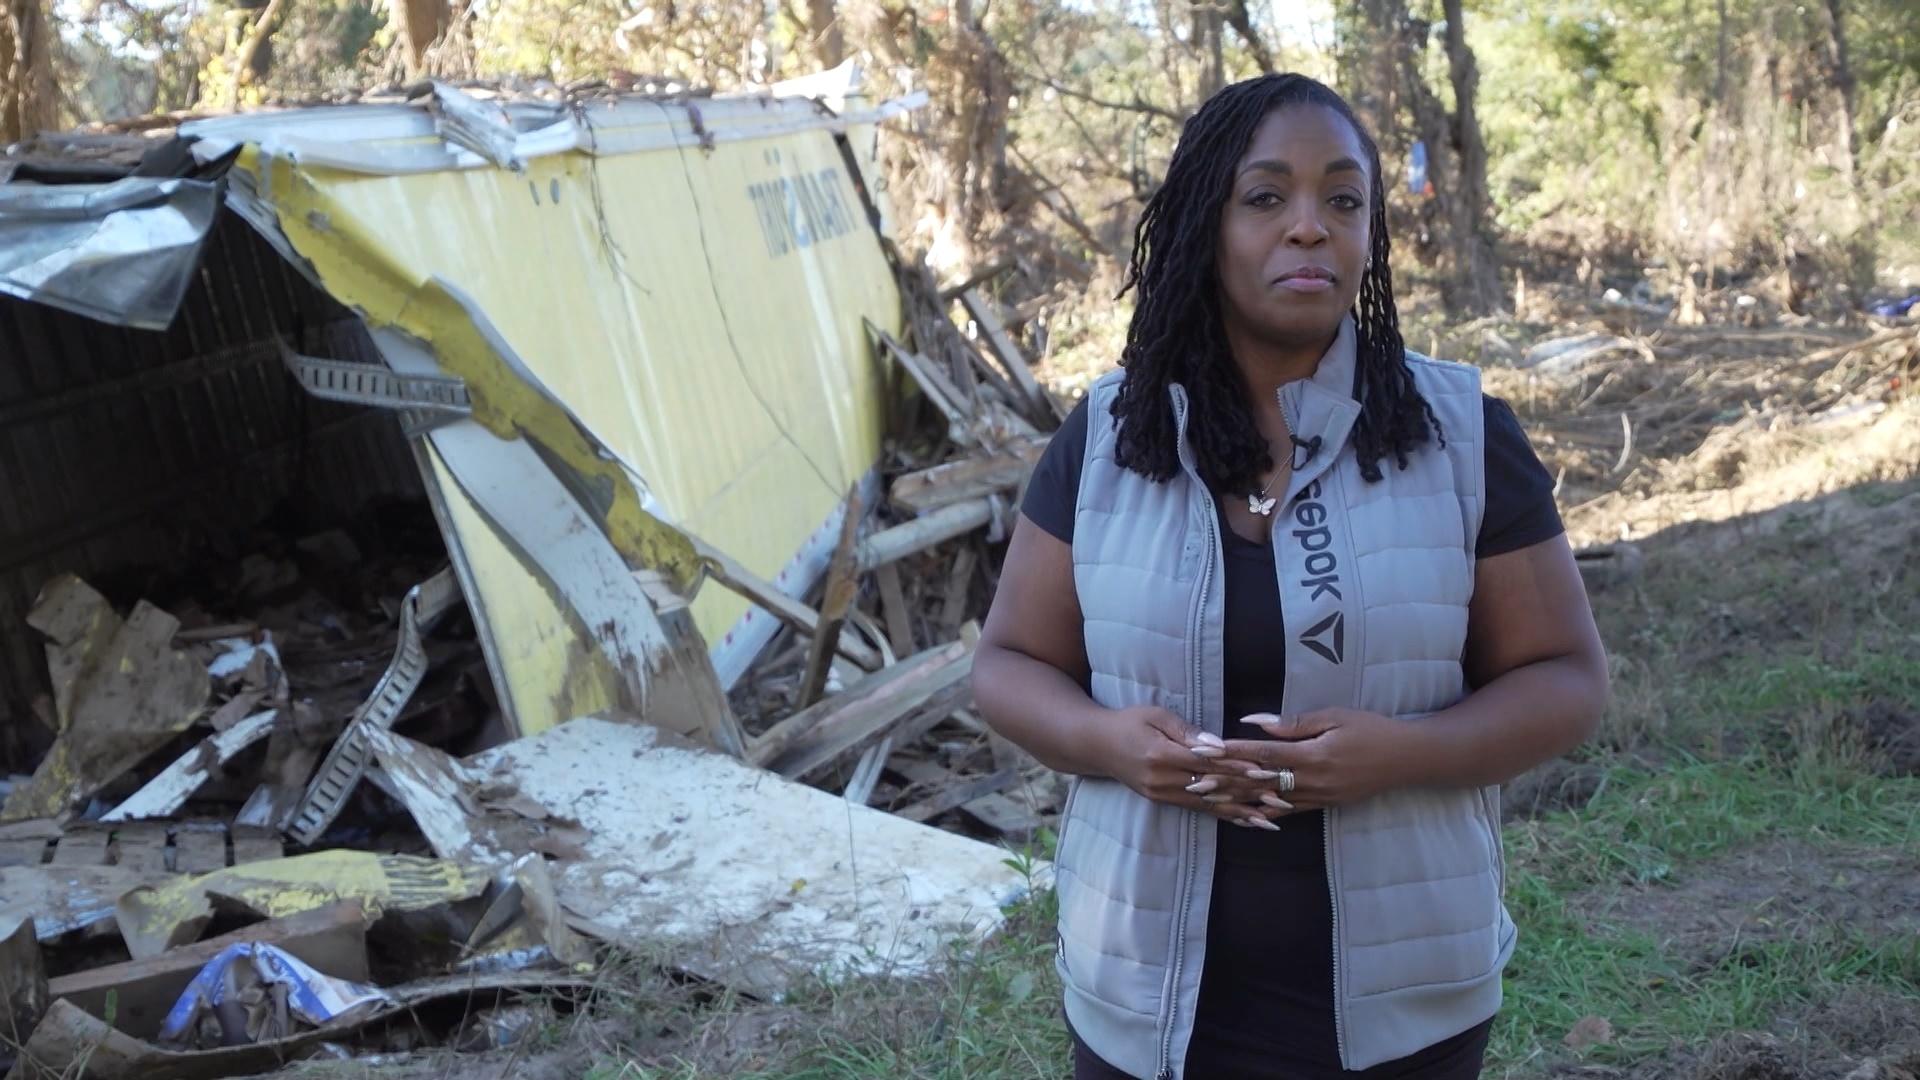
(1239, 822)
(1275, 801)
(1208, 738)
(1201, 787)
(1262, 823)
(1220, 797)
(1208, 751)
(1262, 774)
(1260, 718)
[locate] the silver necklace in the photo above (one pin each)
(1258, 503)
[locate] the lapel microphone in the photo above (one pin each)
(1311, 446)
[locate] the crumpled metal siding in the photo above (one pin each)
(117, 446)
(123, 252)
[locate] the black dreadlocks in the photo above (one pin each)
(1177, 335)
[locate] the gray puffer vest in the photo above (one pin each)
(1375, 580)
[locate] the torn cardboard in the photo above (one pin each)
(121, 691)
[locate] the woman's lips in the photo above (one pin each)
(1306, 279)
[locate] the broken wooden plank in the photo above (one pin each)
(993, 810)
(956, 791)
(199, 849)
(967, 479)
(251, 845)
(25, 843)
(843, 584)
(82, 845)
(22, 852)
(953, 606)
(899, 687)
(945, 397)
(867, 773)
(63, 899)
(1010, 355)
(141, 846)
(904, 707)
(771, 599)
(23, 981)
(892, 545)
(169, 791)
(331, 939)
(893, 605)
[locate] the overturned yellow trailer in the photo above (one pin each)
(620, 335)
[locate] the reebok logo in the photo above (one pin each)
(1328, 637)
(1316, 539)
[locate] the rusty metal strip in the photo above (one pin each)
(347, 762)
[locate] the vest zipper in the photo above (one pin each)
(1193, 821)
(1333, 893)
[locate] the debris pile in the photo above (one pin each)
(904, 737)
(281, 816)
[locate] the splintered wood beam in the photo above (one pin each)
(893, 604)
(956, 791)
(769, 598)
(892, 545)
(1001, 813)
(1009, 354)
(969, 478)
(843, 583)
(903, 700)
(937, 388)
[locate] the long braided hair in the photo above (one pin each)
(1177, 334)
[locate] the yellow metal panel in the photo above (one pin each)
(551, 671)
(700, 311)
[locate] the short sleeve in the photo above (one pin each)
(1520, 508)
(1054, 489)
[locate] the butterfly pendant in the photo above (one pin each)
(1258, 505)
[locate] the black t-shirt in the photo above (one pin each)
(1266, 995)
(1519, 513)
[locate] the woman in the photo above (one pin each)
(1289, 603)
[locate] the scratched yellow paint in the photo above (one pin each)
(699, 311)
(549, 674)
(156, 917)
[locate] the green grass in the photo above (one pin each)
(1648, 826)
(1645, 822)
(1711, 750)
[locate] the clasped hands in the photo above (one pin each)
(1314, 760)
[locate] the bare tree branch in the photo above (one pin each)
(1137, 105)
(1241, 20)
(1063, 209)
(243, 60)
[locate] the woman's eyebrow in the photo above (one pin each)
(1281, 168)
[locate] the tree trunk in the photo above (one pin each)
(1476, 267)
(828, 40)
(1207, 25)
(27, 102)
(419, 23)
(248, 61)
(1841, 72)
(1241, 20)
(1720, 64)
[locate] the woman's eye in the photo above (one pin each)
(1263, 199)
(1346, 202)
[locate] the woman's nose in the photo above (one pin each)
(1306, 230)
